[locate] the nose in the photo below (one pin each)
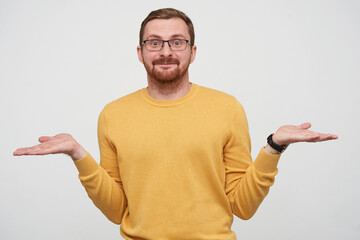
(166, 50)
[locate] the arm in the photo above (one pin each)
(102, 183)
(247, 183)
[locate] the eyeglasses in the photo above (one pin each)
(157, 45)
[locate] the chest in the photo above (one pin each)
(170, 131)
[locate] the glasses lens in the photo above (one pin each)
(178, 44)
(154, 45)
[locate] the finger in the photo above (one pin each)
(304, 136)
(316, 137)
(310, 136)
(304, 126)
(38, 151)
(44, 139)
(325, 137)
(35, 150)
(17, 152)
(20, 151)
(24, 151)
(29, 150)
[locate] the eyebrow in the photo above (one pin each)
(154, 36)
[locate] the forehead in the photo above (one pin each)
(166, 29)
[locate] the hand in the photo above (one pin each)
(61, 143)
(288, 134)
(292, 134)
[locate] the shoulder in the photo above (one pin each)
(124, 101)
(123, 104)
(210, 92)
(217, 98)
(218, 104)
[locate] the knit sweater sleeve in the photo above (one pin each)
(247, 182)
(102, 182)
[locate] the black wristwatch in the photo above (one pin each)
(274, 145)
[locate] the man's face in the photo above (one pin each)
(166, 65)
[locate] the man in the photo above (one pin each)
(175, 156)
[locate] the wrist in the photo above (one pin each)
(270, 150)
(78, 153)
(275, 146)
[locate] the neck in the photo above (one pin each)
(169, 90)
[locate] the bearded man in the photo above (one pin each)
(175, 156)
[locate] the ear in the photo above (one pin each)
(140, 55)
(193, 53)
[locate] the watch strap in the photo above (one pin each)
(274, 145)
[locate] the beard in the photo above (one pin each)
(166, 75)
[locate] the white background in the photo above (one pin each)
(287, 62)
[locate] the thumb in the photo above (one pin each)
(44, 139)
(306, 125)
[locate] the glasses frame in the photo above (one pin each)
(163, 42)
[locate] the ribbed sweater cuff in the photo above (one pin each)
(86, 165)
(266, 162)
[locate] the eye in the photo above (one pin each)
(155, 43)
(177, 42)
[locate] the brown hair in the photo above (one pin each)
(167, 13)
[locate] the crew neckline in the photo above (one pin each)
(169, 103)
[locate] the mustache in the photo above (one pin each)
(166, 60)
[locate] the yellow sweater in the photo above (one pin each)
(176, 169)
